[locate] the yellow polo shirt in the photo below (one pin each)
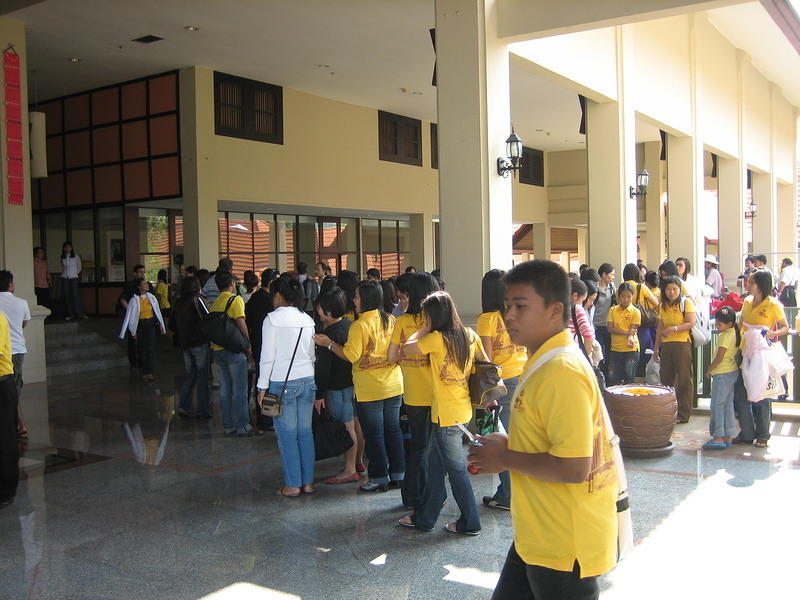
(235, 311)
(766, 314)
(145, 308)
(727, 340)
(671, 316)
(374, 377)
(451, 399)
(416, 368)
(505, 353)
(558, 411)
(162, 293)
(6, 366)
(643, 294)
(624, 318)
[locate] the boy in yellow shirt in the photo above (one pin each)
(9, 449)
(563, 480)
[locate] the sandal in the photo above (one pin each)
(761, 443)
(452, 527)
(22, 434)
(360, 468)
(308, 491)
(349, 479)
(712, 445)
(408, 521)
(281, 492)
(740, 440)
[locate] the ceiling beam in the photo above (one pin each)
(9, 6)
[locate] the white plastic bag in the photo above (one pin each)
(652, 373)
(755, 368)
(778, 360)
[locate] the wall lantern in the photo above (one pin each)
(513, 162)
(642, 179)
(750, 214)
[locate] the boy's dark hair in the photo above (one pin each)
(373, 272)
(411, 269)
(631, 273)
(250, 280)
(547, 279)
(328, 283)
(302, 268)
(6, 279)
(223, 279)
(493, 292)
(203, 276)
(371, 295)
(137, 267)
(267, 275)
(225, 264)
(605, 268)
(333, 302)
(787, 261)
(190, 270)
(762, 258)
(292, 291)
(421, 286)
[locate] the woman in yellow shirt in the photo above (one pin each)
(673, 347)
(760, 309)
(452, 349)
(503, 352)
(378, 385)
(417, 387)
(723, 371)
(642, 297)
(162, 293)
(623, 323)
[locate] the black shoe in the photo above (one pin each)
(740, 440)
(371, 487)
(490, 502)
(395, 485)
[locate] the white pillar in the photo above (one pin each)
(654, 206)
(685, 185)
(541, 241)
(732, 178)
(765, 230)
(787, 220)
(474, 117)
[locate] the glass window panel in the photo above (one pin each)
(307, 237)
(222, 226)
(390, 265)
(388, 236)
(330, 236)
(153, 263)
(284, 233)
(263, 261)
(153, 230)
(241, 263)
(403, 263)
(55, 227)
(111, 266)
(82, 231)
(240, 233)
(348, 237)
(264, 233)
(370, 236)
(285, 262)
(310, 260)
(349, 261)
(372, 260)
(332, 261)
(405, 236)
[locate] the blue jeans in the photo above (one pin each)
(723, 421)
(419, 418)
(196, 368)
(447, 458)
(293, 427)
(233, 391)
(340, 404)
(383, 441)
(503, 493)
(604, 339)
(754, 417)
(72, 297)
(622, 367)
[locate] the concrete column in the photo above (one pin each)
(474, 121)
(16, 228)
(765, 230)
(583, 251)
(654, 238)
(541, 240)
(685, 183)
(200, 229)
(732, 178)
(787, 220)
(421, 253)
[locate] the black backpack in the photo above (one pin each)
(222, 330)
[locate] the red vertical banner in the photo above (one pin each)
(15, 174)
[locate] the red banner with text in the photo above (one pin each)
(13, 104)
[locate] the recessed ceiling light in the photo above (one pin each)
(74, 59)
(192, 28)
(147, 39)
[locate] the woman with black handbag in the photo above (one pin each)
(287, 371)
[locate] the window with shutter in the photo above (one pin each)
(434, 146)
(532, 170)
(248, 109)
(399, 139)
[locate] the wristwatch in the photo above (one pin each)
(330, 345)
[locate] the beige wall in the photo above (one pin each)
(784, 124)
(756, 115)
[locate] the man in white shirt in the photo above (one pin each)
(713, 276)
(787, 284)
(18, 314)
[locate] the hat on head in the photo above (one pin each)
(710, 258)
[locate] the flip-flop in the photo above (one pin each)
(337, 480)
(285, 495)
(23, 434)
(308, 492)
(360, 468)
(761, 443)
(410, 524)
(451, 528)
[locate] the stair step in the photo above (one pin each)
(87, 367)
(83, 352)
(85, 338)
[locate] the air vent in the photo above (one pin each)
(147, 39)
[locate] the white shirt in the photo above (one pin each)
(278, 337)
(17, 312)
(70, 267)
(790, 275)
(714, 279)
(131, 320)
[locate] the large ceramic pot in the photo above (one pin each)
(643, 417)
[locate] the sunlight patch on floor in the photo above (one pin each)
(248, 591)
(472, 576)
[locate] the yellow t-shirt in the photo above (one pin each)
(510, 357)
(162, 293)
(671, 316)
(235, 311)
(145, 308)
(374, 377)
(727, 340)
(6, 366)
(451, 399)
(646, 296)
(558, 410)
(624, 318)
(350, 315)
(767, 314)
(417, 383)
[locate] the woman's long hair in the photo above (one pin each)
(665, 281)
(687, 266)
(763, 281)
(631, 273)
(493, 292)
(443, 315)
(348, 280)
(190, 287)
(71, 249)
(420, 287)
(390, 298)
(371, 295)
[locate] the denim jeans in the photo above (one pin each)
(383, 441)
(622, 367)
(340, 404)
(233, 390)
(146, 332)
(503, 493)
(604, 339)
(419, 417)
(723, 421)
(196, 368)
(72, 297)
(521, 581)
(447, 458)
(754, 417)
(293, 427)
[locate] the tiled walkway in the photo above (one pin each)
(91, 521)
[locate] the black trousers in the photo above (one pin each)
(133, 352)
(146, 342)
(9, 446)
(419, 417)
(521, 581)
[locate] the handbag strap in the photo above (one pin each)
(291, 362)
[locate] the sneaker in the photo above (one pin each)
(490, 502)
(373, 486)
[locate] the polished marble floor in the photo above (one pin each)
(123, 499)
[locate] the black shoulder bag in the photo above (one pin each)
(272, 405)
(223, 331)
